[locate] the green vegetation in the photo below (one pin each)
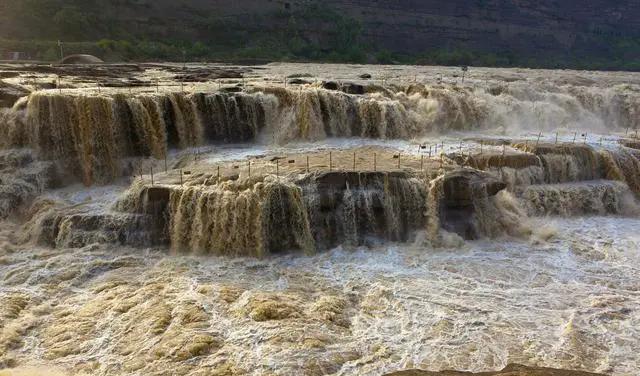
(311, 33)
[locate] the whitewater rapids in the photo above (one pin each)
(107, 269)
(100, 310)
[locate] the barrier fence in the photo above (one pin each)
(428, 154)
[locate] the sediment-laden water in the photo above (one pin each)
(332, 227)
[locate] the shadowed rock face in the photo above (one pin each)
(22, 179)
(9, 94)
(510, 370)
(354, 206)
(632, 143)
(543, 27)
(265, 215)
(317, 212)
(461, 190)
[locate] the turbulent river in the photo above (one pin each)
(572, 302)
(317, 230)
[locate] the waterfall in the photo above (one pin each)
(357, 207)
(575, 199)
(232, 219)
(90, 135)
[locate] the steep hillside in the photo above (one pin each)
(548, 33)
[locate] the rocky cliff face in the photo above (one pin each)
(409, 26)
(494, 24)
(504, 32)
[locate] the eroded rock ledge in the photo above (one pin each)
(510, 370)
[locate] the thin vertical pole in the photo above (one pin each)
(481, 145)
(307, 164)
(151, 175)
(575, 134)
(429, 151)
(181, 183)
(277, 168)
(354, 161)
(249, 165)
(375, 162)
(218, 174)
(399, 160)
(538, 140)
(556, 138)
(61, 50)
(421, 163)
(330, 161)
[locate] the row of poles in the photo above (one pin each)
(432, 150)
(157, 86)
(330, 157)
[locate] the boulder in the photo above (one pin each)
(346, 87)
(9, 94)
(351, 88)
(330, 85)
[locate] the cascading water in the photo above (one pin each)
(239, 220)
(623, 165)
(91, 134)
(354, 208)
(133, 296)
(575, 199)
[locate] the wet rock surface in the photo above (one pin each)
(321, 255)
(510, 370)
(346, 87)
(9, 94)
(352, 207)
(461, 190)
(22, 179)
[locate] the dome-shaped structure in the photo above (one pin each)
(81, 59)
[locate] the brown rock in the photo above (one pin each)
(510, 370)
(9, 94)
